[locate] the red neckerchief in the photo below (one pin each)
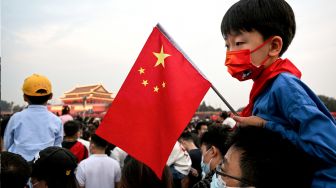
(279, 66)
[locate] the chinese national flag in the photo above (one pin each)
(155, 103)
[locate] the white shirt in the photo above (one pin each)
(119, 155)
(180, 158)
(230, 122)
(98, 170)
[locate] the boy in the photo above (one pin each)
(72, 133)
(34, 128)
(257, 33)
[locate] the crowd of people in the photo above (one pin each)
(284, 137)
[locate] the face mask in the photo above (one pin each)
(240, 65)
(205, 166)
(217, 182)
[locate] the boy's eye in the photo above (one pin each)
(239, 43)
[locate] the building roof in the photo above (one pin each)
(90, 92)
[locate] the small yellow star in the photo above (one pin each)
(160, 57)
(144, 82)
(163, 84)
(141, 70)
(156, 89)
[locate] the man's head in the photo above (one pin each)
(54, 167)
(65, 109)
(201, 128)
(15, 170)
(262, 158)
(71, 128)
(214, 144)
(187, 140)
(98, 145)
(267, 17)
(37, 89)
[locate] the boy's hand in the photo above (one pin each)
(250, 121)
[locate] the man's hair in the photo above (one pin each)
(217, 136)
(268, 160)
(224, 115)
(200, 124)
(38, 100)
(71, 127)
(98, 141)
(15, 170)
(268, 17)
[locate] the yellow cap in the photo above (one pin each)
(36, 85)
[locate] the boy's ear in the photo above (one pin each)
(276, 46)
(51, 95)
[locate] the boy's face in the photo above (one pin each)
(249, 40)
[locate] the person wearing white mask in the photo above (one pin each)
(213, 147)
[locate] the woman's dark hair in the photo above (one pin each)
(65, 109)
(136, 174)
(268, 17)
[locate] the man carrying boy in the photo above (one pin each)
(34, 128)
(257, 33)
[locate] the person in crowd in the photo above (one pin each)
(179, 163)
(3, 123)
(227, 120)
(54, 167)
(34, 128)
(71, 135)
(201, 128)
(214, 145)
(195, 174)
(119, 155)
(65, 114)
(262, 158)
(99, 170)
(257, 33)
(15, 170)
(136, 174)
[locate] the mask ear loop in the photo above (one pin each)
(263, 44)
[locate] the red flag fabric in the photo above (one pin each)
(155, 103)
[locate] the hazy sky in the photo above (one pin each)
(84, 42)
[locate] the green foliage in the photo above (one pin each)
(329, 102)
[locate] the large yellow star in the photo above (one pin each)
(160, 57)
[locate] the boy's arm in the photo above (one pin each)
(59, 135)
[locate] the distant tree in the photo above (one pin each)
(204, 108)
(6, 106)
(329, 102)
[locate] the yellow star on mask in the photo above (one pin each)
(160, 57)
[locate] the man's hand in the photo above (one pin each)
(250, 121)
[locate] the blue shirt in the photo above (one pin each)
(295, 112)
(32, 130)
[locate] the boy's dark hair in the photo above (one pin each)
(38, 100)
(15, 170)
(71, 127)
(268, 17)
(268, 160)
(224, 115)
(217, 136)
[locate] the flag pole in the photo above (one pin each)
(191, 62)
(226, 103)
